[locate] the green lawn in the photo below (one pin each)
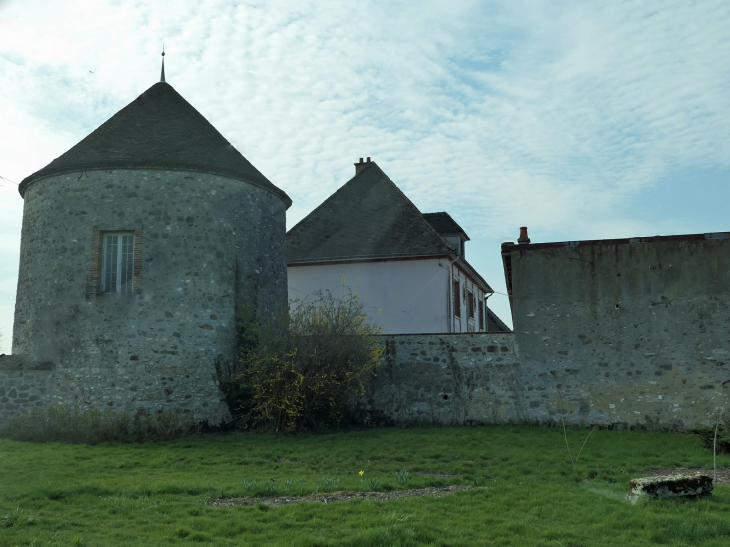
(159, 493)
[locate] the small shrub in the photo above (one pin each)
(707, 436)
(302, 368)
(374, 484)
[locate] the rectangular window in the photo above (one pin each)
(470, 304)
(457, 299)
(118, 263)
(481, 315)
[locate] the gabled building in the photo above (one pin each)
(407, 268)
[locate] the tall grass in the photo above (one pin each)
(69, 425)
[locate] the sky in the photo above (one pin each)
(580, 120)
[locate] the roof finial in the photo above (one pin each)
(162, 74)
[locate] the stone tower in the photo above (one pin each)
(138, 246)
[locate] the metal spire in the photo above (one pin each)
(162, 74)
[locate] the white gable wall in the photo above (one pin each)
(403, 296)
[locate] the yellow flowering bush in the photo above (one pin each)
(302, 371)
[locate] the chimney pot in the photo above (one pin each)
(523, 239)
(368, 159)
(360, 166)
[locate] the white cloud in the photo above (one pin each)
(554, 115)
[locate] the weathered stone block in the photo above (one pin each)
(669, 486)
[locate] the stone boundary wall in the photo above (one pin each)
(23, 386)
(451, 379)
(26, 384)
(633, 330)
(459, 379)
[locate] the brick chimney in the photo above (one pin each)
(360, 166)
(523, 239)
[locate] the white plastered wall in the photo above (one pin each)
(402, 296)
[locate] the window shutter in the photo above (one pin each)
(457, 299)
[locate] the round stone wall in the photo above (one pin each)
(209, 244)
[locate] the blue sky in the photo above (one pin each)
(580, 120)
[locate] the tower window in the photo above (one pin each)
(117, 271)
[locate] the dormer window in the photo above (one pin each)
(117, 271)
(449, 230)
(456, 243)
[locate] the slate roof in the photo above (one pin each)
(444, 224)
(368, 217)
(158, 130)
(492, 317)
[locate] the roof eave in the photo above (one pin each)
(37, 176)
(461, 261)
(364, 258)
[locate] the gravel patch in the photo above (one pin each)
(435, 492)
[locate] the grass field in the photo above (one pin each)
(161, 493)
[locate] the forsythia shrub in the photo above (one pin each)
(303, 370)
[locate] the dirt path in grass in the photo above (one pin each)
(723, 475)
(435, 492)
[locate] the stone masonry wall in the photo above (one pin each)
(632, 330)
(445, 378)
(209, 244)
(457, 379)
(23, 387)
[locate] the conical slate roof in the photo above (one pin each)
(368, 217)
(158, 130)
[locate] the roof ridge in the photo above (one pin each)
(402, 195)
(328, 198)
(365, 216)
